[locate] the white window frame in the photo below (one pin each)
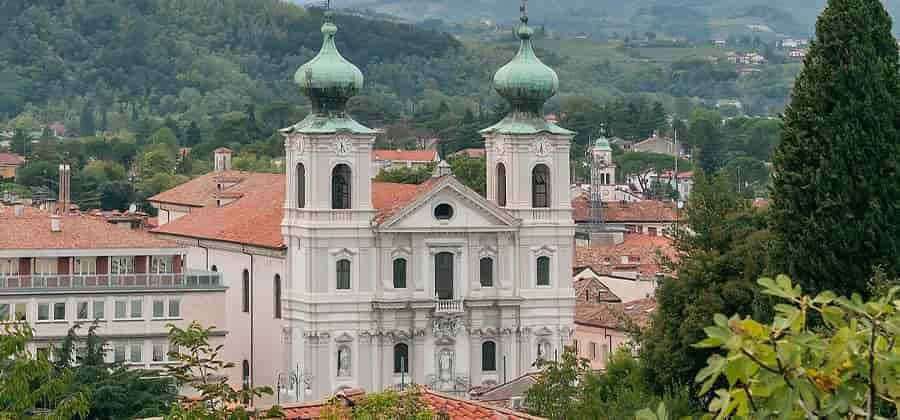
(87, 310)
(140, 306)
(9, 266)
(161, 264)
(49, 306)
(544, 251)
(131, 353)
(84, 266)
(489, 252)
(161, 346)
(125, 312)
(337, 255)
(121, 265)
(177, 304)
(162, 308)
(98, 304)
(124, 351)
(64, 312)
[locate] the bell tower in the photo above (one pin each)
(328, 153)
(527, 156)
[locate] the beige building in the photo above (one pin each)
(601, 329)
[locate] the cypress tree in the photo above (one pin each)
(836, 189)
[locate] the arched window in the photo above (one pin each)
(400, 273)
(301, 186)
(488, 356)
(443, 275)
(340, 187)
(501, 185)
(343, 361)
(245, 291)
(543, 271)
(486, 271)
(540, 186)
(245, 373)
(401, 358)
(277, 296)
(343, 274)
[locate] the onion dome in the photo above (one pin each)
(526, 82)
(329, 80)
(602, 144)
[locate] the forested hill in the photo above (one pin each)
(194, 58)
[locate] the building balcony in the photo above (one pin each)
(100, 282)
(448, 306)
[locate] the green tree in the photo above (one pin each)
(471, 172)
(405, 175)
(557, 390)
(642, 165)
(844, 366)
(157, 159)
(199, 367)
(30, 386)
(706, 137)
(87, 126)
(721, 248)
(385, 405)
(748, 176)
(836, 198)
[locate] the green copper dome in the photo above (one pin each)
(329, 80)
(526, 82)
(602, 144)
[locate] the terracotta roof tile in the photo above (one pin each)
(254, 218)
(406, 155)
(79, 231)
(625, 212)
(616, 315)
(640, 250)
(11, 159)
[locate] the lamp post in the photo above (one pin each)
(296, 381)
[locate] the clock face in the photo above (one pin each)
(343, 145)
(542, 147)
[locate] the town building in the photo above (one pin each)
(59, 269)
(9, 164)
(648, 217)
(344, 282)
(657, 144)
(600, 330)
(472, 153)
(391, 159)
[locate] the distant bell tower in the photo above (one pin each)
(527, 156)
(603, 171)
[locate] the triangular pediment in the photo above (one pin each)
(470, 210)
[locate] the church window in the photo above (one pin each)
(543, 271)
(301, 186)
(340, 187)
(343, 274)
(501, 185)
(489, 356)
(443, 275)
(343, 361)
(401, 358)
(486, 268)
(540, 186)
(277, 296)
(400, 273)
(245, 373)
(443, 212)
(245, 291)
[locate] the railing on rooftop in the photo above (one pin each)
(448, 306)
(186, 280)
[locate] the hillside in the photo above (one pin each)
(685, 18)
(193, 57)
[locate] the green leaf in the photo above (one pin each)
(825, 297)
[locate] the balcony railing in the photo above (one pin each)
(186, 280)
(448, 306)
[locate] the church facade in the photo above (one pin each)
(388, 284)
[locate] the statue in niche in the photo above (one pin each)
(445, 364)
(343, 361)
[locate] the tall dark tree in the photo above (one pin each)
(194, 135)
(706, 136)
(836, 189)
(87, 126)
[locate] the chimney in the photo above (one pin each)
(55, 223)
(65, 179)
(222, 159)
(19, 210)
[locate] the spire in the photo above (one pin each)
(526, 83)
(329, 80)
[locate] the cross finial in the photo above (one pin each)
(328, 11)
(524, 9)
(602, 129)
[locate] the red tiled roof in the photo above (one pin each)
(616, 315)
(32, 231)
(197, 192)
(454, 408)
(389, 198)
(471, 152)
(11, 159)
(641, 251)
(253, 219)
(590, 290)
(222, 150)
(625, 212)
(406, 155)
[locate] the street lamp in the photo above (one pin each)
(296, 381)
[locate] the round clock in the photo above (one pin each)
(542, 147)
(343, 145)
